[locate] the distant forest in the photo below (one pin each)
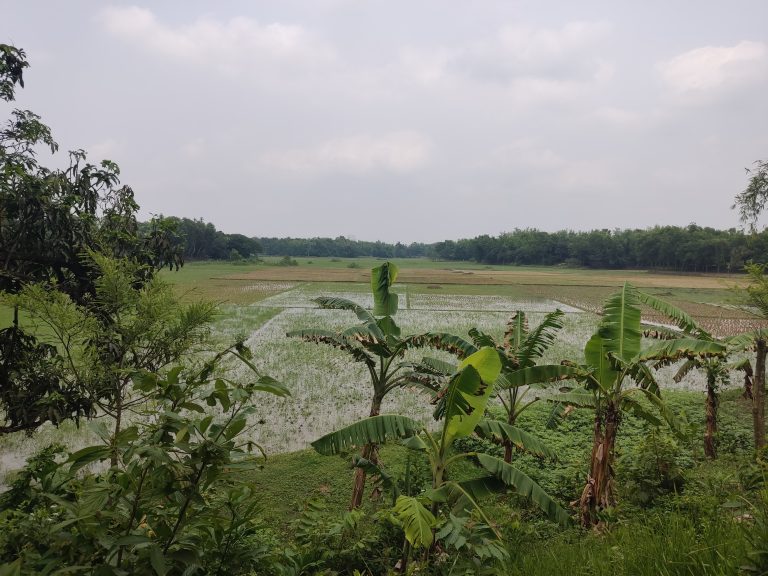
(691, 248)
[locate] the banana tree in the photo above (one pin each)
(756, 303)
(754, 377)
(717, 373)
(519, 351)
(376, 343)
(464, 402)
(614, 357)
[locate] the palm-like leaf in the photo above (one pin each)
(577, 399)
(676, 424)
(684, 370)
(540, 374)
(501, 431)
(373, 430)
(596, 356)
(638, 410)
(620, 326)
(517, 331)
(481, 339)
(643, 376)
(678, 316)
(539, 339)
(441, 341)
(348, 345)
(468, 393)
(438, 366)
(382, 278)
(680, 348)
(333, 303)
(746, 340)
(417, 521)
(525, 486)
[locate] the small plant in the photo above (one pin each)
(287, 261)
(652, 469)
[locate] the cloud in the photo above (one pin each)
(715, 68)
(394, 152)
(104, 149)
(194, 148)
(541, 54)
(229, 45)
(538, 163)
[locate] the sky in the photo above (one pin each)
(407, 120)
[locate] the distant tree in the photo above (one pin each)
(751, 202)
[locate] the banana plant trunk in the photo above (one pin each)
(508, 446)
(370, 452)
(758, 396)
(599, 492)
(711, 429)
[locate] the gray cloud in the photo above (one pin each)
(410, 121)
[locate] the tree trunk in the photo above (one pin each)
(508, 446)
(116, 431)
(370, 452)
(758, 396)
(599, 493)
(711, 431)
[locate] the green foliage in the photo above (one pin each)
(32, 389)
(373, 430)
(100, 343)
(174, 502)
(614, 356)
(417, 521)
(53, 225)
(13, 61)
(653, 467)
(327, 543)
(751, 202)
(287, 261)
(376, 342)
(757, 537)
(657, 544)
(450, 504)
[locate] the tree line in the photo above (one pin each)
(692, 248)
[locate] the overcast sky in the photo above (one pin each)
(408, 120)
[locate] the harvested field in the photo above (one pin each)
(521, 276)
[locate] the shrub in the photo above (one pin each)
(652, 468)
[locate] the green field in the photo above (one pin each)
(262, 302)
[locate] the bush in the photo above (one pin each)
(653, 468)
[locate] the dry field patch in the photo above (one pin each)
(491, 277)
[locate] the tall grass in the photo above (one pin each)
(660, 545)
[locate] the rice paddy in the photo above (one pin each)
(329, 391)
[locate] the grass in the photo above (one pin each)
(682, 533)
